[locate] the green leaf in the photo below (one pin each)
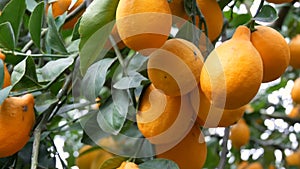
(113, 163)
(1, 73)
(13, 13)
(75, 32)
(24, 75)
(112, 115)
(31, 4)
(137, 63)
(94, 29)
(43, 101)
(53, 69)
(266, 14)
(54, 39)
(131, 81)
(7, 38)
(4, 93)
(159, 163)
(35, 24)
(95, 78)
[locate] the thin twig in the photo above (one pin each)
(35, 55)
(259, 7)
(57, 153)
(75, 12)
(224, 149)
(30, 43)
(41, 125)
(118, 53)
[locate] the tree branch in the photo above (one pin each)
(42, 123)
(224, 149)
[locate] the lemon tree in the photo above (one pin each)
(149, 84)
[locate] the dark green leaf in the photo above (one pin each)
(24, 75)
(159, 163)
(35, 24)
(266, 14)
(131, 81)
(113, 163)
(95, 78)
(53, 69)
(4, 93)
(7, 38)
(75, 32)
(1, 73)
(269, 156)
(13, 13)
(112, 115)
(54, 39)
(43, 101)
(213, 145)
(95, 27)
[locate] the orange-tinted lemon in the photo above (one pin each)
(209, 116)
(295, 52)
(255, 165)
(295, 112)
(128, 165)
(293, 159)
(59, 7)
(175, 67)
(143, 25)
(211, 11)
(163, 119)
(295, 93)
(240, 134)
(189, 153)
(274, 51)
(232, 73)
(16, 121)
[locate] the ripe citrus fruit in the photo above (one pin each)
(295, 93)
(128, 165)
(100, 159)
(59, 7)
(293, 159)
(255, 165)
(271, 166)
(143, 25)
(189, 153)
(240, 134)
(7, 81)
(163, 119)
(217, 117)
(274, 51)
(242, 165)
(279, 1)
(232, 73)
(211, 11)
(90, 158)
(295, 112)
(175, 67)
(295, 52)
(16, 121)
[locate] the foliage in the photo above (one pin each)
(67, 70)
